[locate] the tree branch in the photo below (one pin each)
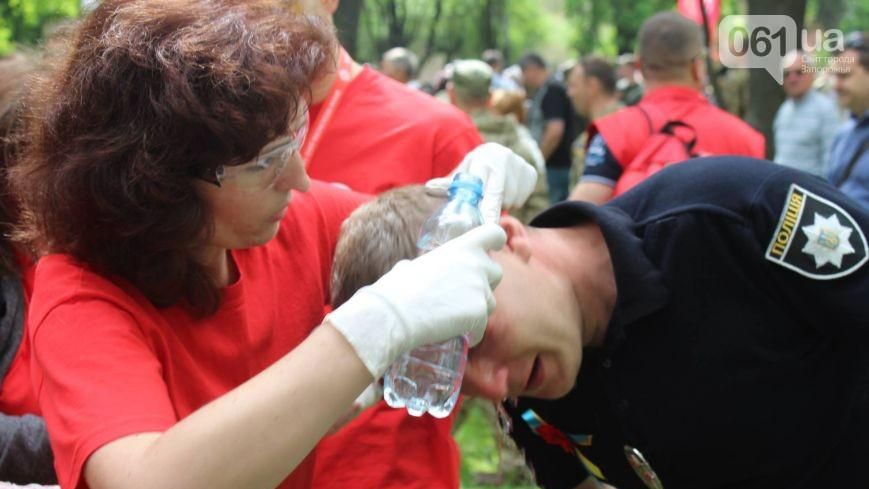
(432, 32)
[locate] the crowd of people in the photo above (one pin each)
(206, 208)
(587, 154)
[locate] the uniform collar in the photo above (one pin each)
(640, 286)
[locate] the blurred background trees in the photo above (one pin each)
(25, 22)
(440, 30)
(447, 28)
(559, 29)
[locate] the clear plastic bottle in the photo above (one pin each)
(428, 379)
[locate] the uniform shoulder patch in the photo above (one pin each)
(596, 154)
(816, 238)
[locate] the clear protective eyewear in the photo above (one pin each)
(264, 170)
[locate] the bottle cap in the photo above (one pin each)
(466, 181)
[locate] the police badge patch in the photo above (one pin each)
(816, 238)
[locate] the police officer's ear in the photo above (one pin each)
(517, 238)
(640, 66)
(451, 92)
(698, 72)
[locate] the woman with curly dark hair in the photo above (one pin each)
(173, 317)
(25, 454)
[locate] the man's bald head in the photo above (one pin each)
(668, 46)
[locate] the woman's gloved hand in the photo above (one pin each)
(444, 293)
(508, 180)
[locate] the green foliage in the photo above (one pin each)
(528, 29)
(610, 28)
(476, 438)
(847, 15)
(856, 16)
(558, 29)
(457, 28)
(733, 7)
(24, 21)
(486, 462)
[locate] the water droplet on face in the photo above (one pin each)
(504, 418)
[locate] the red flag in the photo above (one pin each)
(691, 9)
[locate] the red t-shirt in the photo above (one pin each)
(382, 135)
(16, 394)
(106, 363)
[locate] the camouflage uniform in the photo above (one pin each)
(734, 91)
(504, 130)
(471, 80)
(631, 93)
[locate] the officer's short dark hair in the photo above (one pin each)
(859, 42)
(531, 59)
(603, 70)
(668, 43)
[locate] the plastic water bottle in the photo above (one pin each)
(429, 378)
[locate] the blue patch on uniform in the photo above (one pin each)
(596, 154)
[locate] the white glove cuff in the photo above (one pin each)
(369, 397)
(373, 327)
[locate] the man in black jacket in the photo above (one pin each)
(719, 314)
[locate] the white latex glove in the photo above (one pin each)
(508, 180)
(444, 293)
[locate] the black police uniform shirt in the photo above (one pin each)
(732, 358)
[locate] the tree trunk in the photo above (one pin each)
(505, 38)
(490, 24)
(395, 23)
(347, 22)
(765, 95)
(830, 13)
(431, 38)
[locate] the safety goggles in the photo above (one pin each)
(264, 170)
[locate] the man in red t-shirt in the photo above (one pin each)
(371, 134)
(671, 60)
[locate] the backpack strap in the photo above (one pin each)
(851, 163)
(651, 125)
(668, 126)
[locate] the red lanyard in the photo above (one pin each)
(339, 88)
